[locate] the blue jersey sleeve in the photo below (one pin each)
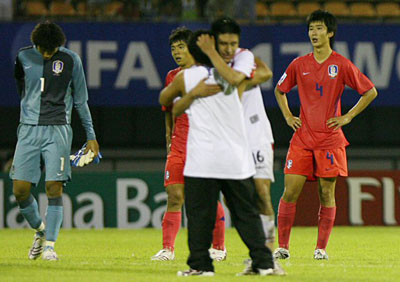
(80, 95)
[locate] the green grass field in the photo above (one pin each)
(356, 254)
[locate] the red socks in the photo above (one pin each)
(170, 227)
(326, 219)
(219, 229)
(286, 215)
(172, 222)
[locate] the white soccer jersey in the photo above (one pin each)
(256, 120)
(217, 145)
(257, 124)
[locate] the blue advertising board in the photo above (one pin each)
(126, 63)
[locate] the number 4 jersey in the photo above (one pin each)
(320, 88)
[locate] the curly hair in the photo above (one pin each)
(48, 36)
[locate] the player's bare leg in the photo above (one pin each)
(171, 221)
(287, 212)
(326, 216)
(263, 188)
(30, 210)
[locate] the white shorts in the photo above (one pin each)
(263, 158)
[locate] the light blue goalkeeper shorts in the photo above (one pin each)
(52, 143)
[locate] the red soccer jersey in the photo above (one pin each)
(320, 88)
(181, 123)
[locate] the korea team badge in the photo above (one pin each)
(58, 67)
(333, 71)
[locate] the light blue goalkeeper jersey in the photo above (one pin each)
(49, 88)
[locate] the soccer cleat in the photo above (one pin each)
(218, 255)
(37, 247)
(164, 254)
(261, 272)
(281, 253)
(278, 270)
(49, 254)
(320, 254)
(193, 272)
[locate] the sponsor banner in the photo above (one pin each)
(126, 63)
(138, 200)
(362, 198)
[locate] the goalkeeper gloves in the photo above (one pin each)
(80, 159)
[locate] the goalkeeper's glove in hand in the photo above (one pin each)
(80, 159)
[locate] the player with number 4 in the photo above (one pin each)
(317, 149)
(50, 80)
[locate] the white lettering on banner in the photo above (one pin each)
(14, 219)
(264, 52)
(389, 215)
(342, 48)
(356, 196)
(75, 46)
(2, 203)
(365, 58)
(95, 64)
(96, 208)
(137, 203)
(138, 51)
(296, 48)
(158, 213)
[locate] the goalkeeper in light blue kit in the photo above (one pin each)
(50, 80)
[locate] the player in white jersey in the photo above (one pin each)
(218, 159)
(235, 65)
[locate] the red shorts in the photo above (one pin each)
(316, 163)
(174, 168)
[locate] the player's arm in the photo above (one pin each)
(19, 75)
(201, 90)
(262, 73)
(293, 121)
(363, 102)
(207, 45)
(80, 95)
(173, 90)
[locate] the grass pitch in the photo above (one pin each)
(356, 254)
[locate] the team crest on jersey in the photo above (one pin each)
(282, 79)
(58, 67)
(289, 164)
(167, 175)
(333, 71)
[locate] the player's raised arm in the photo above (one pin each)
(363, 102)
(291, 120)
(207, 45)
(262, 73)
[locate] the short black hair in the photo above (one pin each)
(195, 50)
(328, 19)
(48, 36)
(225, 25)
(181, 33)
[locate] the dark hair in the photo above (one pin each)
(225, 25)
(182, 33)
(195, 50)
(48, 36)
(328, 19)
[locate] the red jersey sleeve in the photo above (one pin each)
(170, 77)
(288, 79)
(356, 79)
